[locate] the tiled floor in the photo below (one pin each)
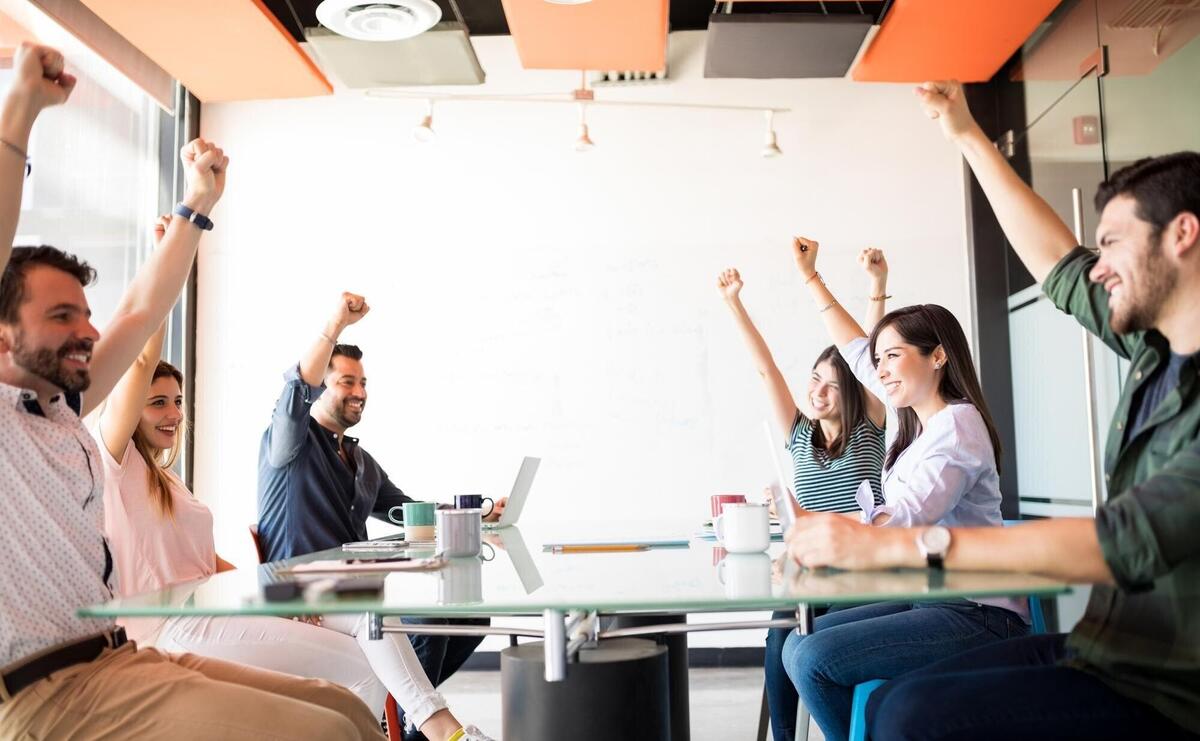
(724, 702)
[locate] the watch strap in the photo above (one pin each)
(195, 217)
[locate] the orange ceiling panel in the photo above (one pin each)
(603, 35)
(939, 39)
(219, 49)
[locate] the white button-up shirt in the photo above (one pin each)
(51, 525)
(946, 476)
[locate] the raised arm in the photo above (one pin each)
(156, 286)
(783, 404)
(875, 265)
(305, 382)
(39, 81)
(122, 410)
(313, 364)
(838, 322)
(1035, 231)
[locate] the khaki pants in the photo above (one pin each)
(146, 694)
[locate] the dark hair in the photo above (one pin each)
(926, 326)
(158, 462)
(1163, 187)
(12, 283)
(348, 351)
(853, 407)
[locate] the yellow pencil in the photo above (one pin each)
(599, 548)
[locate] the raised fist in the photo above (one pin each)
(873, 262)
(204, 166)
(945, 102)
(351, 308)
(805, 252)
(40, 78)
(729, 284)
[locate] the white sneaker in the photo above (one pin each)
(471, 733)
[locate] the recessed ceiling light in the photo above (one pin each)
(379, 21)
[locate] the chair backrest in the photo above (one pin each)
(258, 546)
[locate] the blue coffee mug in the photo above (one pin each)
(473, 501)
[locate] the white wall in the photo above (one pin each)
(528, 299)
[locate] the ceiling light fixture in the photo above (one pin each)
(770, 145)
(583, 142)
(583, 98)
(379, 21)
(423, 132)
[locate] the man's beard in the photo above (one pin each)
(1155, 279)
(345, 417)
(47, 363)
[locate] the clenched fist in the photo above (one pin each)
(204, 165)
(946, 103)
(729, 284)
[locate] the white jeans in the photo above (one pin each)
(340, 652)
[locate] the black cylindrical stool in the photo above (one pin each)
(615, 691)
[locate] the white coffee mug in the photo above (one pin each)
(743, 528)
(459, 532)
(745, 575)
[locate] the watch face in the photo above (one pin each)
(936, 539)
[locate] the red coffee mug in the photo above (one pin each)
(718, 501)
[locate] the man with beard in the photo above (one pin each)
(62, 676)
(317, 486)
(1131, 667)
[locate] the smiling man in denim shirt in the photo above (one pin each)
(317, 486)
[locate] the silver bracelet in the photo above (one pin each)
(327, 338)
(827, 306)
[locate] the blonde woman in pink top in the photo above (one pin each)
(161, 534)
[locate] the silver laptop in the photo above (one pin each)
(518, 496)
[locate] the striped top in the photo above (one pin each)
(824, 484)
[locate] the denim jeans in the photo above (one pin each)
(1010, 690)
(782, 700)
(882, 641)
(441, 656)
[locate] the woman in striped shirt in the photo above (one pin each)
(835, 437)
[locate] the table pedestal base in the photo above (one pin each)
(616, 690)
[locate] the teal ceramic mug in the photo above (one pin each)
(418, 519)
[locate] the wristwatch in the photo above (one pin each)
(195, 217)
(934, 543)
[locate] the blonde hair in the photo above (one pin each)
(159, 461)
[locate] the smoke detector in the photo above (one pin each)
(379, 21)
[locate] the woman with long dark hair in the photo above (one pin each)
(834, 433)
(941, 469)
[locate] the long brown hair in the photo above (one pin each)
(158, 462)
(853, 406)
(925, 327)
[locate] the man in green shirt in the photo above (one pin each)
(1131, 667)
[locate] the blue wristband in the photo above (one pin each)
(195, 217)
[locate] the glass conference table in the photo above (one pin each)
(517, 576)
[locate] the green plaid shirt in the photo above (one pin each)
(1142, 637)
